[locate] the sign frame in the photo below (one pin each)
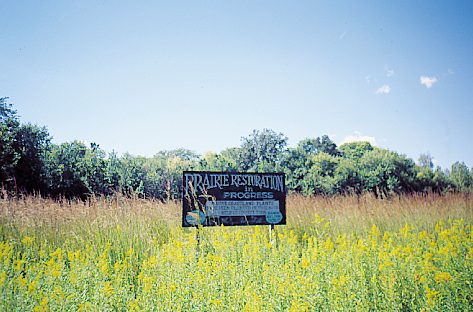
(212, 198)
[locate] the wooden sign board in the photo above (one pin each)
(233, 198)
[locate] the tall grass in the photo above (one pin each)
(357, 214)
(346, 253)
(120, 221)
(137, 222)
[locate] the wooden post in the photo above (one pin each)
(197, 238)
(272, 232)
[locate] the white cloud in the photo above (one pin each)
(383, 89)
(428, 81)
(390, 72)
(357, 137)
(341, 36)
(368, 78)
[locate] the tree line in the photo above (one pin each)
(30, 163)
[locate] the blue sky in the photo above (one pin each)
(146, 76)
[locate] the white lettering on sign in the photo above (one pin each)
(248, 195)
(230, 208)
(201, 182)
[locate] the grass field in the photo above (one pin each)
(408, 253)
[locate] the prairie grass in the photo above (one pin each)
(346, 253)
(121, 221)
(357, 214)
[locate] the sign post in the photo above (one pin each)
(233, 199)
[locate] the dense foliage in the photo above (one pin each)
(29, 162)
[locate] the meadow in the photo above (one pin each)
(342, 253)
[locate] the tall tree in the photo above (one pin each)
(261, 151)
(355, 149)
(95, 170)
(22, 150)
(460, 176)
(347, 174)
(133, 174)
(216, 162)
(8, 156)
(319, 145)
(172, 163)
(112, 174)
(74, 170)
(321, 178)
(296, 163)
(31, 143)
(383, 172)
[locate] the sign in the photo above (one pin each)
(233, 198)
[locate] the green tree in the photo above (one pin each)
(296, 163)
(95, 170)
(432, 181)
(460, 176)
(112, 174)
(383, 172)
(441, 180)
(261, 151)
(348, 171)
(173, 175)
(132, 174)
(64, 166)
(22, 152)
(355, 149)
(215, 162)
(347, 175)
(74, 170)
(234, 155)
(9, 125)
(169, 167)
(231, 153)
(31, 144)
(321, 179)
(318, 145)
(158, 177)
